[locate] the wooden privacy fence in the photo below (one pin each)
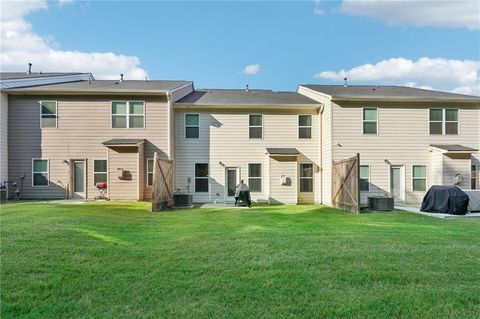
(346, 184)
(162, 193)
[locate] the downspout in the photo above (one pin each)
(320, 152)
(169, 125)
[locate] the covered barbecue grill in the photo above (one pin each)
(445, 200)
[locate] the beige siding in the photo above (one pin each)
(436, 171)
(403, 139)
(454, 164)
(283, 193)
(125, 158)
(3, 137)
(224, 142)
(83, 124)
(325, 142)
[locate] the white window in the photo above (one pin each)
(474, 177)
(304, 126)
(149, 171)
(255, 177)
(100, 173)
(40, 172)
(201, 178)
(419, 178)
(370, 120)
(443, 121)
(128, 114)
(306, 178)
(255, 126)
(192, 125)
(48, 114)
(364, 178)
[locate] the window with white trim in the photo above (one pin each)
(443, 121)
(364, 178)
(192, 125)
(48, 114)
(40, 173)
(149, 171)
(99, 171)
(201, 178)
(128, 114)
(419, 178)
(306, 178)
(305, 126)
(255, 177)
(370, 120)
(255, 126)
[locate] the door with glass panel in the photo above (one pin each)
(78, 179)
(232, 182)
(397, 184)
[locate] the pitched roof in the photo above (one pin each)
(283, 151)
(244, 97)
(373, 92)
(454, 148)
(106, 86)
(25, 75)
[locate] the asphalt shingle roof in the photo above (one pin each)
(106, 86)
(243, 97)
(454, 148)
(282, 151)
(25, 75)
(124, 141)
(373, 92)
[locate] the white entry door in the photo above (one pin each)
(232, 180)
(78, 179)
(397, 183)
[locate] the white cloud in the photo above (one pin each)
(437, 13)
(21, 45)
(252, 69)
(461, 76)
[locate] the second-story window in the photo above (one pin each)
(48, 114)
(192, 126)
(255, 126)
(370, 120)
(304, 126)
(128, 114)
(443, 121)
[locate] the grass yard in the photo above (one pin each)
(113, 260)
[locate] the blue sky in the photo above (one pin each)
(285, 43)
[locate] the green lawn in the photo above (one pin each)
(112, 260)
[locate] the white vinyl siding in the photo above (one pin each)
(255, 126)
(128, 114)
(40, 173)
(100, 171)
(304, 126)
(192, 126)
(48, 114)
(255, 177)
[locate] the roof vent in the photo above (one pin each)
(121, 77)
(346, 82)
(246, 89)
(29, 68)
(146, 79)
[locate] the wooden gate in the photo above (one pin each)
(162, 193)
(346, 184)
